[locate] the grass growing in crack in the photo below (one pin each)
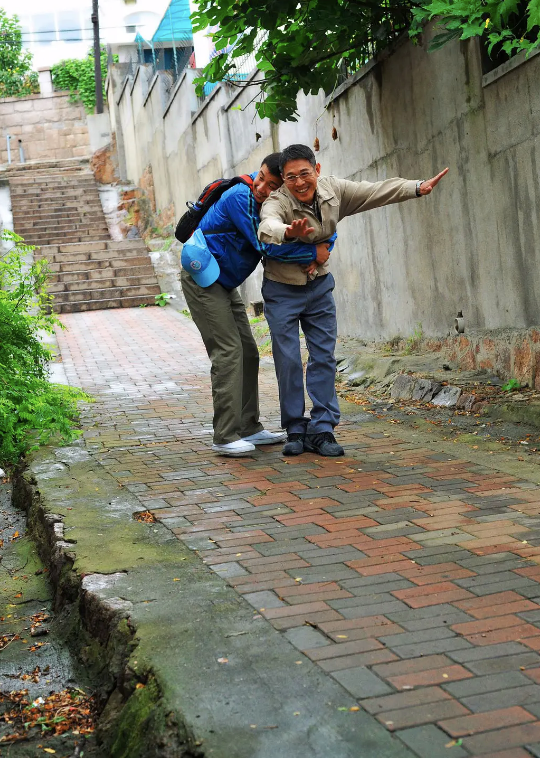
(414, 341)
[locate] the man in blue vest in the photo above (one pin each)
(210, 278)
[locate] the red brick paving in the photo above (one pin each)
(416, 574)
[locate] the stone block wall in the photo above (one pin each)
(50, 128)
(510, 353)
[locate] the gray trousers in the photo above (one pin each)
(312, 306)
(221, 318)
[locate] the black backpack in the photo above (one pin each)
(210, 195)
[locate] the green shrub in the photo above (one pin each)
(77, 75)
(32, 410)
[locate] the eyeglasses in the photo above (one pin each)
(293, 178)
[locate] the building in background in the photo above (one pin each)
(170, 46)
(63, 28)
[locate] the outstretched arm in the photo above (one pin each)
(356, 197)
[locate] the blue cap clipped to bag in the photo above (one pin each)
(198, 261)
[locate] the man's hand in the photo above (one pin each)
(322, 253)
(322, 256)
(427, 186)
(298, 228)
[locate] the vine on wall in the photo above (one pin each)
(77, 76)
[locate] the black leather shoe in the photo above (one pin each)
(294, 444)
(323, 443)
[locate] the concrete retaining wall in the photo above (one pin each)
(474, 245)
(50, 128)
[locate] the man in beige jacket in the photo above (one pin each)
(309, 206)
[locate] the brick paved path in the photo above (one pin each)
(409, 576)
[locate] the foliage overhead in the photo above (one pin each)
(507, 27)
(306, 45)
(16, 76)
(32, 410)
(77, 75)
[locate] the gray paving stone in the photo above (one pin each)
(389, 531)
(198, 543)
(367, 581)
(332, 481)
(175, 522)
(442, 537)
(382, 587)
(534, 708)
(531, 593)
(447, 645)
(438, 554)
(494, 568)
(323, 560)
(532, 616)
(504, 663)
(280, 548)
(514, 583)
(430, 742)
(379, 609)
(228, 570)
(331, 492)
(395, 641)
(305, 638)
(331, 573)
(492, 701)
(400, 514)
(289, 533)
(429, 612)
(458, 617)
(496, 577)
(264, 599)
(362, 600)
(362, 683)
(488, 651)
(344, 511)
(534, 749)
(483, 684)
(315, 551)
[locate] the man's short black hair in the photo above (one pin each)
(273, 164)
(294, 153)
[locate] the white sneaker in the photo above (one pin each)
(265, 437)
(234, 449)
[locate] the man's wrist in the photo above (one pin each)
(418, 185)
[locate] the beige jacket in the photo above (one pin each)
(337, 198)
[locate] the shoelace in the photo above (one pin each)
(318, 439)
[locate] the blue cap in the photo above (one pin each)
(198, 261)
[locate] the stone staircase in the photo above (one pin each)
(56, 207)
(53, 205)
(91, 276)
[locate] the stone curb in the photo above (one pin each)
(102, 634)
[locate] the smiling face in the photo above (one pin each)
(265, 183)
(301, 179)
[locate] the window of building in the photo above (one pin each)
(69, 26)
(62, 26)
(44, 28)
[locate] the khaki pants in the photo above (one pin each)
(221, 318)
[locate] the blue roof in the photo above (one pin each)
(175, 26)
